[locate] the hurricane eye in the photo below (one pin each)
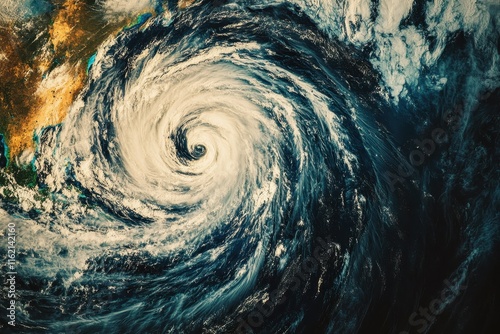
(198, 151)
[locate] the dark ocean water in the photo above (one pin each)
(246, 167)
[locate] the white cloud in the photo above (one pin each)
(120, 8)
(11, 10)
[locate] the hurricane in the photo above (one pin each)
(271, 167)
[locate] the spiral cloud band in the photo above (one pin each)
(218, 147)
